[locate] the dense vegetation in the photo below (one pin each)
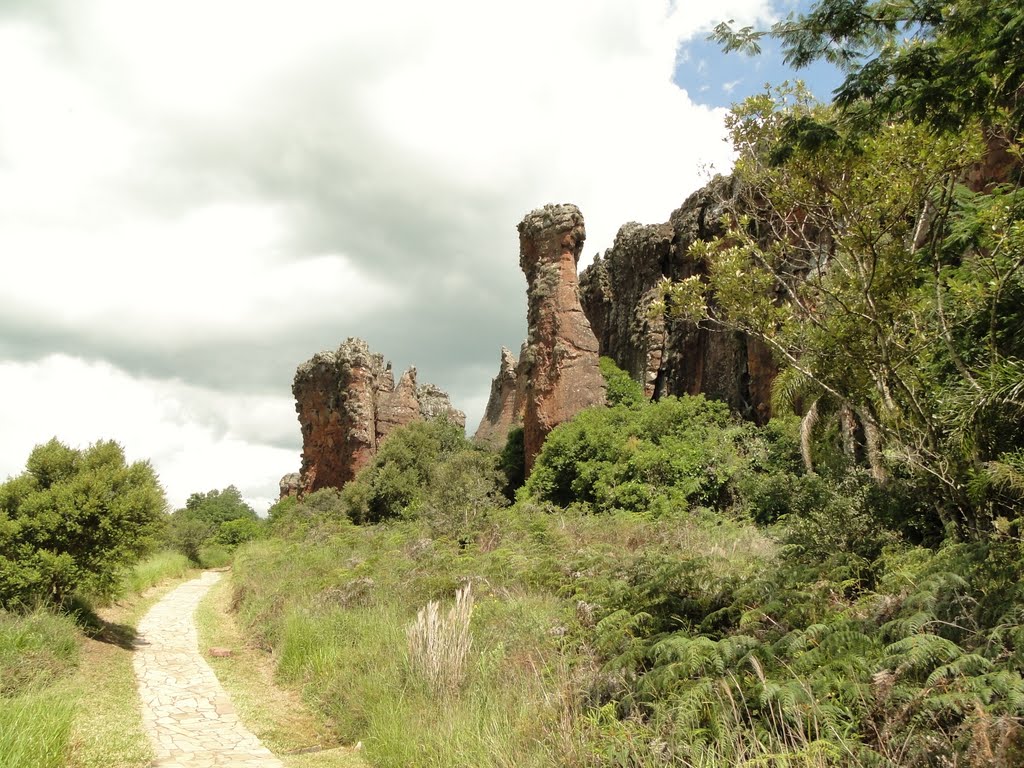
(674, 587)
(210, 525)
(671, 585)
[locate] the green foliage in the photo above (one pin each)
(622, 390)
(75, 520)
(411, 470)
(883, 287)
(220, 518)
(669, 454)
(512, 461)
(463, 492)
(928, 61)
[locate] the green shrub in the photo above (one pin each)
(622, 390)
(219, 518)
(672, 453)
(76, 519)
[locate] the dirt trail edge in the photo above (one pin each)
(185, 711)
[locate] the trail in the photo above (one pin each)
(185, 711)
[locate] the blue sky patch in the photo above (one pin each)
(720, 80)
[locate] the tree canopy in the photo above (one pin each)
(930, 61)
(73, 520)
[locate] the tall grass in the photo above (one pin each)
(34, 730)
(36, 650)
(159, 566)
(343, 612)
(439, 643)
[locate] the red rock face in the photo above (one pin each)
(347, 404)
(505, 406)
(671, 356)
(561, 358)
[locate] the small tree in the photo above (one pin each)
(74, 520)
(221, 516)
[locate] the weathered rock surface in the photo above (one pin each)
(505, 406)
(347, 403)
(291, 484)
(671, 356)
(560, 363)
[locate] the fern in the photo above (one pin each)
(920, 653)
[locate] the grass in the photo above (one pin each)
(277, 716)
(36, 651)
(155, 569)
(35, 730)
(67, 692)
(335, 609)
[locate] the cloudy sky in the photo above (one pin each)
(197, 195)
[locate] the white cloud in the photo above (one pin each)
(197, 439)
(198, 184)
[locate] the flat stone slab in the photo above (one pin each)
(185, 711)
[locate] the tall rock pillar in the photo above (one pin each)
(561, 358)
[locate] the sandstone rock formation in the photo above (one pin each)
(671, 356)
(505, 406)
(347, 403)
(290, 485)
(561, 358)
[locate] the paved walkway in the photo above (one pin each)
(186, 713)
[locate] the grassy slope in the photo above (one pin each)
(82, 709)
(335, 609)
(277, 716)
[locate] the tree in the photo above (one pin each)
(883, 284)
(74, 520)
(217, 515)
(929, 61)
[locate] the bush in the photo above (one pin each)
(403, 473)
(622, 390)
(672, 453)
(216, 517)
(76, 519)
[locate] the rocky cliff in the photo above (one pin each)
(669, 356)
(506, 404)
(347, 403)
(560, 361)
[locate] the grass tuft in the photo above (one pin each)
(439, 644)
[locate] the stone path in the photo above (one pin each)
(186, 713)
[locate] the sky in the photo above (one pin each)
(198, 195)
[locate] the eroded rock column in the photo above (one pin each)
(561, 357)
